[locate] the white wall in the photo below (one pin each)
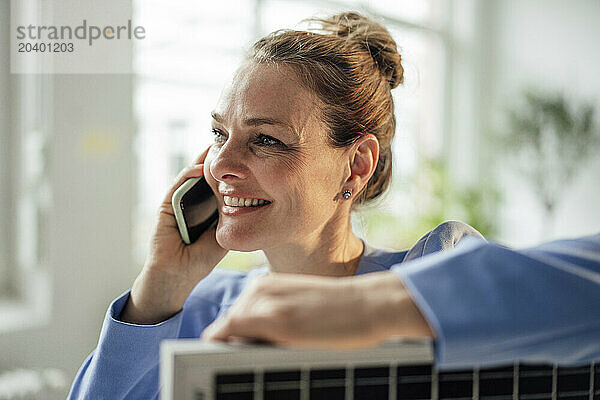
(90, 222)
(550, 44)
(89, 232)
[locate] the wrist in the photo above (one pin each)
(155, 296)
(396, 312)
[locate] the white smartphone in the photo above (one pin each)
(195, 207)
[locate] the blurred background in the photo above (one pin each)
(498, 126)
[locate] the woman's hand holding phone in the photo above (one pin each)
(172, 268)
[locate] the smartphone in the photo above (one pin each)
(195, 207)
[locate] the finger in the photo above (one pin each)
(226, 328)
(194, 171)
(200, 159)
(216, 330)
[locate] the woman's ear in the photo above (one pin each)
(363, 161)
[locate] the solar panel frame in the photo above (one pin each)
(397, 370)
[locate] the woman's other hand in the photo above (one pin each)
(322, 312)
(172, 269)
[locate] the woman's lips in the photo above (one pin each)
(243, 201)
(234, 211)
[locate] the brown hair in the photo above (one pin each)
(351, 63)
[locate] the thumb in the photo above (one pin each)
(218, 330)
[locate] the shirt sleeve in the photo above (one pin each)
(125, 363)
(490, 305)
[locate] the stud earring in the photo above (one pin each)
(347, 194)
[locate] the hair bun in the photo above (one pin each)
(374, 37)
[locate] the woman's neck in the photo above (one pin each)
(326, 253)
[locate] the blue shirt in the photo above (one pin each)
(487, 304)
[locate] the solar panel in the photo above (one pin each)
(194, 370)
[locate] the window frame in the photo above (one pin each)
(25, 291)
(5, 113)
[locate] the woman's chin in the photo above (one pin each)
(236, 239)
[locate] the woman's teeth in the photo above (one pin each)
(243, 202)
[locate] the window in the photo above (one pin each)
(24, 287)
(193, 52)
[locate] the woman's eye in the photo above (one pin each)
(218, 136)
(260, 140)
(265, 140)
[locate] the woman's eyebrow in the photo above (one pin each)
(217, 117)
(256, 121)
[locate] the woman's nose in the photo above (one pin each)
(229, 163)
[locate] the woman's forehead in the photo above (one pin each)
(266, 90)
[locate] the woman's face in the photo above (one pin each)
(270, 145)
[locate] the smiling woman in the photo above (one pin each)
(297, 173)
(302, 134)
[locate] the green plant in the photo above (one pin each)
(434, 199)
(475, 204)
(551, 140)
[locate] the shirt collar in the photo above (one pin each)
(369, 261)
